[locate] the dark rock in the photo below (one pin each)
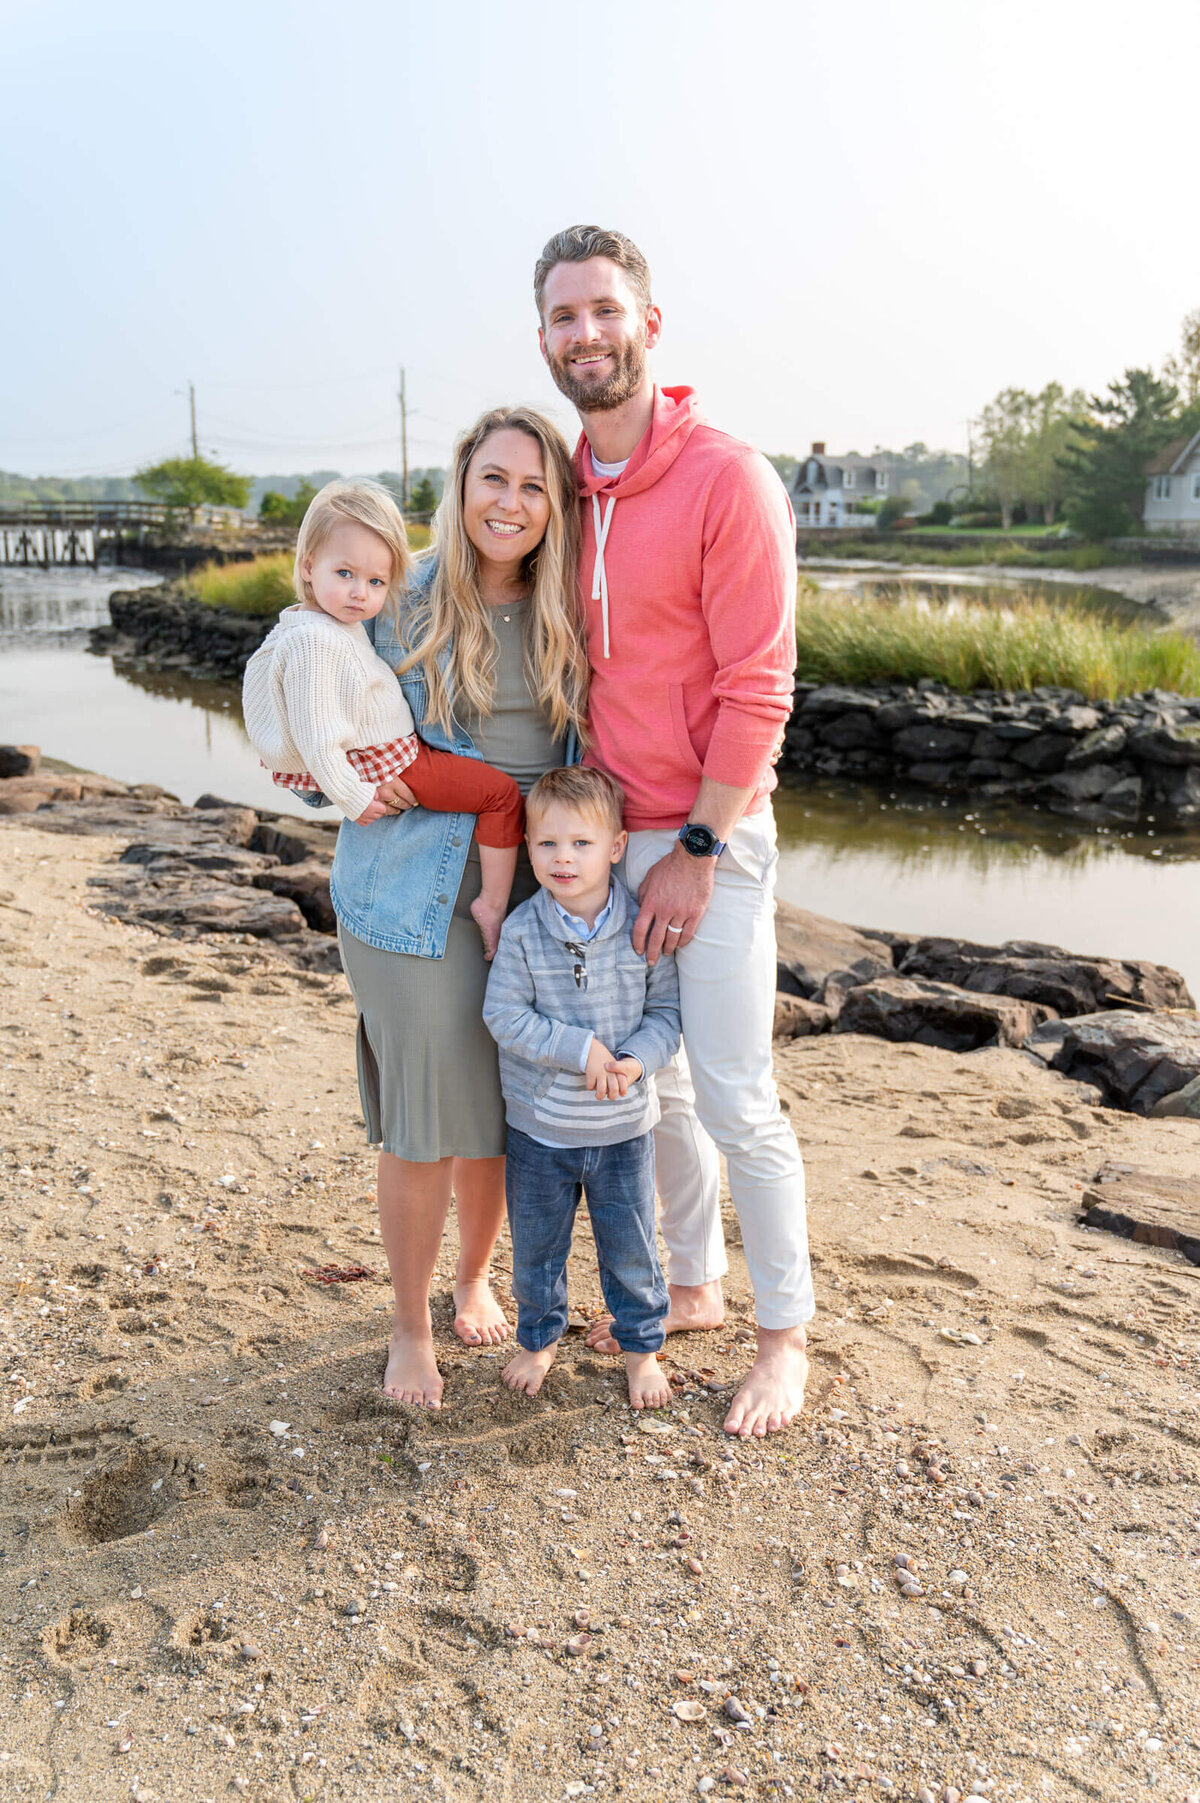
(295, 841)
(1062, 981)
(1175, 794)
(926, 744)
(833, 699)
(1099, 746)
(1086, 784)
(847, 731)
(893, 716)
(191, 909)
(938, 776)
(308, 886)
(907, 1009)
(1183, 1102)
(1074, 720)
(19, 760)
(797, 1019)
(1046, 753)
(1175, 744)
(811, 948)
(1134, 1059)
(993, 769)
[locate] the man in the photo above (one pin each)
(689, 566)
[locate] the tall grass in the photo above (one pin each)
(888, 548)
(1026, 645)
(264, 585)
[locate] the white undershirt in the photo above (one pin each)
(607, 471)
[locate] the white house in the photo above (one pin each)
(1173, 487)
(827, 490)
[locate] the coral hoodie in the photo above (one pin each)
(688, 572)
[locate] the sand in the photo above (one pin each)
(228, 1566)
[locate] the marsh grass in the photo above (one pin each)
(1028, 644)
(264, 585)
(887, 548)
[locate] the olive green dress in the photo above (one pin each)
(427, 1070)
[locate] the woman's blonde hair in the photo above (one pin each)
(454, 614)
(365, 504)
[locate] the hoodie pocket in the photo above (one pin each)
(679, 726)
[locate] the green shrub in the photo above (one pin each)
(840, 638)
(263, 586)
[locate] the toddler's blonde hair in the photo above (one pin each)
(366, 504)
(585, 791)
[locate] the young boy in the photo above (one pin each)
(325, 713)
(582, 1022)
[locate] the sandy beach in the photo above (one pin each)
(228, 1566)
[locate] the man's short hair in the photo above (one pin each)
(579, 244)
(586, 791)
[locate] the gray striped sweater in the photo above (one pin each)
(548, 994)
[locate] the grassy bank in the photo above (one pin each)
(264, 585)
(1030, 644)
(891, 548)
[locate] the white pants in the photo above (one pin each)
(722, 1094)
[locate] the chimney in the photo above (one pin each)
(818, 449)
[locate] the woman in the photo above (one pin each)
(488, 649)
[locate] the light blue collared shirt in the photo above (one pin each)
(579, 927)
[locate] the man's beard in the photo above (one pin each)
(628, 374)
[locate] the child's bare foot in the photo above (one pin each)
(526, 1372)
(695, 1308)
(488, 917)
(478, 1317)
(412, 1375)
(648, 1388)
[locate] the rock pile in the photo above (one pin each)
(1105, 761)
(171, 630)
(1127, 1026)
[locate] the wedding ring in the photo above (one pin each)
(672, 928)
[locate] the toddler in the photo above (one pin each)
(582, 1022)
(325, 713)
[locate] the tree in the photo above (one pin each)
(1105, 464)
(278, 510)
(422, 496)
(1005, 426)
(1054, 418)
(186, 483)
(1183, 369)
(785, 467)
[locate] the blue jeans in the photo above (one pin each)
(544, 1185)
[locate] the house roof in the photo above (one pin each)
(1173, 457)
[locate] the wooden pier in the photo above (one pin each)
(44, 534)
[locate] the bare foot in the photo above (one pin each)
(412, 1375)
(488, 917)
(773, 1393)
(526, 1372)
(648, 1388)
(695, 1307)
(478, 1317)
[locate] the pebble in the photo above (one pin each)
(694, 1565)
(958, 1579)
(977, 1667)
(925, 1795)
(250, 1651)
(735, 1710)
(731, 1775)
(903, 1561)
(975, 1498)
(705, 1784)
(356, 1606)
(688, 1710)
(278, 1428)
(321, 1540)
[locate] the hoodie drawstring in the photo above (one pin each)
(599, 574)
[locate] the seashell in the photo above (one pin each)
(578, 1645)
(688, 1710)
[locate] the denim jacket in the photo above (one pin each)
(394, 882)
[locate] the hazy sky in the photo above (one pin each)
(862, 220)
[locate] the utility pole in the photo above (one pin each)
(403, 445)
(192, 407)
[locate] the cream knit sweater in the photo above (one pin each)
(315, 690)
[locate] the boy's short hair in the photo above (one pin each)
(573, 786)
(579, 244)
(366, 504)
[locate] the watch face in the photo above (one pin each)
(701, 841)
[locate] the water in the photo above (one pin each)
(847, 851)
(101, 714)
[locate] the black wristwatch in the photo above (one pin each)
(700, 841)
